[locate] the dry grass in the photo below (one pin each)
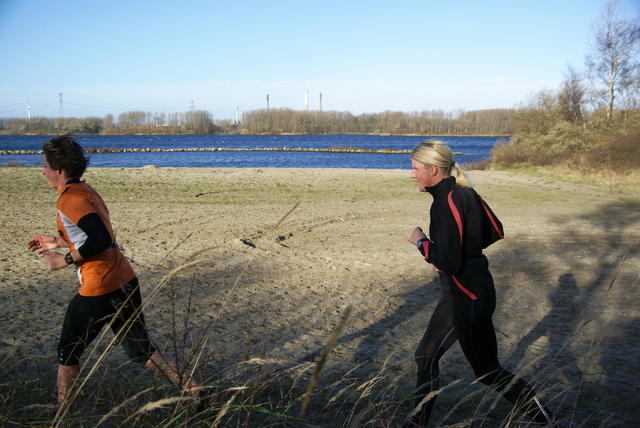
(259, 392)
(599, 154)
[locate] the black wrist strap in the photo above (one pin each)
(419, 243)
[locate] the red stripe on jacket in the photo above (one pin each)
(492, 218)
(464, 290)
(458, 219)
(456, 214)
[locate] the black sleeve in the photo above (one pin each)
(98, 237)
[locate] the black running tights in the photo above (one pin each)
(469, 321)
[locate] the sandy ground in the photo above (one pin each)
(280, 254)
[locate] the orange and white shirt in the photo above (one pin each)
(101, 273)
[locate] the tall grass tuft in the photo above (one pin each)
(258, 391)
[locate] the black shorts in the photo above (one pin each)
(86, 316)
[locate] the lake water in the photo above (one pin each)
(473, 149)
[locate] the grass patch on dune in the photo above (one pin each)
(233, 186)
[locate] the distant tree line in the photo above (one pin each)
(433, 122)
(275, 121)
(127, 123)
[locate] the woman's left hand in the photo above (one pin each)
(42, 243)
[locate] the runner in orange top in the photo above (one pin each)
(109, 291)
(106, 270)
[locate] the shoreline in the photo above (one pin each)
(90, 150)
(291, 133)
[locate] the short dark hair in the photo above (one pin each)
(64, 152)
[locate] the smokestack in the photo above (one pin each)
(320, 101)
(267, 102)
(306, 101)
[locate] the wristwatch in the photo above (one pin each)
(68, 259)
(419, 243)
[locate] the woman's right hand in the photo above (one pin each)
(416, 235)
(42, 243)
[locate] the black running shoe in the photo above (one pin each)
(205, 399)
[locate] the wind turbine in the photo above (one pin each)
(28, 111)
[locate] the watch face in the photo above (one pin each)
(68, 258)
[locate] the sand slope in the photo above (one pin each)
(275, 285)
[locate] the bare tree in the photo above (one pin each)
(571, 98)
(613, 61)
(108, 121)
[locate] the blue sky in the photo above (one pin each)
(362, 56)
